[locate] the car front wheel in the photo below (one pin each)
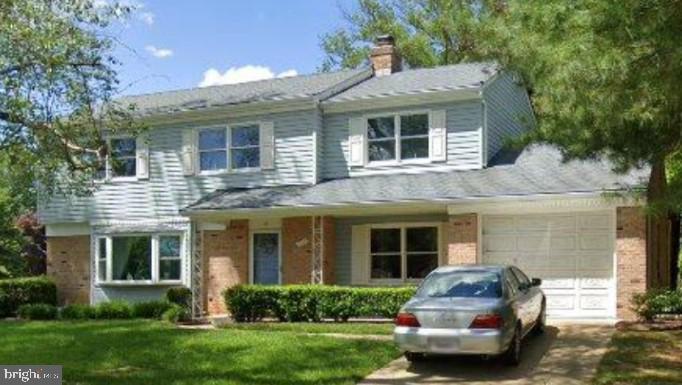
(513, 354)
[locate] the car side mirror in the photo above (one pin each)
(536, 282)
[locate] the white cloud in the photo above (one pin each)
(146, 17)
(247, 73)
(161, 53)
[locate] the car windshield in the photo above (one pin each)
(463, 284)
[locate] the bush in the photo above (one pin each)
(180, 296)
(655, 302)
(20, 291)
(78, 312)
(150, 309)
(175, 314)
(297, 303)
(37, 311)
(113, 310)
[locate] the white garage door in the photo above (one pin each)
(572, 253)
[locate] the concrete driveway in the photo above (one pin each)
(563, 355)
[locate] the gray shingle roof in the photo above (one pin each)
(537, 170)
(443, 78)
(288, 88)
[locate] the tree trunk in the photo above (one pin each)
(659, 230)
(674, 250)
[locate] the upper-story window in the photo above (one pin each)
(237, 147)
(123, 157)
(398, 137)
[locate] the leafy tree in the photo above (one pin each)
(428, 32)
(57, 83)
(605, 79)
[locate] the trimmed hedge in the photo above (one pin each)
(150, 309)
(655, 302)
(176, 313)
(78, 312)
(20, 291)
(180, 296)
(37, 311)
(301, 303)
(113, 310)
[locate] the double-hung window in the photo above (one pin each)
(398, 137)
(123, 157)
(402, 253)
(145, 258)
(233, 148)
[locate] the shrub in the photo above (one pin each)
(113, 310)
(175, 314)
(150, 309)
(37, 311)
(19, 291)
(180, 296)
(655, 302)
(296, 303)
(78, 312)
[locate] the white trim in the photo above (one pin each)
(211, 226)
(401, 100)
(279, 252)
(229, 169)
(397, 138)
(67, 229)
(556, 204)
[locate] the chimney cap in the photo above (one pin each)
(383, 40)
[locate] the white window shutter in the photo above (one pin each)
(360, 255)
(142, 156)
(267, 145)
(188, 152)
(356, 141)
(438, 134)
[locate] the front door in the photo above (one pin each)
(266, 258)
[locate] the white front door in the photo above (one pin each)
(571, 252)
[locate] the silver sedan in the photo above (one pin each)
(471, 309)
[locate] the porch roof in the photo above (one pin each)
(538, 170)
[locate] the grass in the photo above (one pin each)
(642, 358)
(146, 352)
(316, 328)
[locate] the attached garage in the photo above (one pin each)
(572, 252)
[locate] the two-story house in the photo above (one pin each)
(363, 177)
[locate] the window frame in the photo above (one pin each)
(155, 259)
(108, 171)
(403, 251)
(397, 123)
(229, 169)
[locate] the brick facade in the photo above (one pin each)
(297, 250)
(68, 264)
(329, 250)
(631, 257)
(226, 261)
(461, 234)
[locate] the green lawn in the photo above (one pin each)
(344, 328)
(151, 352)
(642, 358)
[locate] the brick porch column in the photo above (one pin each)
(462, 239)
(631, 258)
(226, 261)
(68, 264)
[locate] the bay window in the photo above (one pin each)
(139, 258)
(398, 137)
(402, 253)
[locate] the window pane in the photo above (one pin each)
(102, 259)
(212, 139)
(420, 265)
(386, 266)
(123, 167)
(212, 160)
(378, 128)
(245, 136)
(123, 147)
(102, 270)
(422, 239)
(245, 157)
(169, 246)
(383, 150)
(414, 125)
(385, 240)
(414, 148)
(132, 258)
(169, 269)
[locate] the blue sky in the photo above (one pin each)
(172, 44)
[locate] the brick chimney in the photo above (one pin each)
(385, 57)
